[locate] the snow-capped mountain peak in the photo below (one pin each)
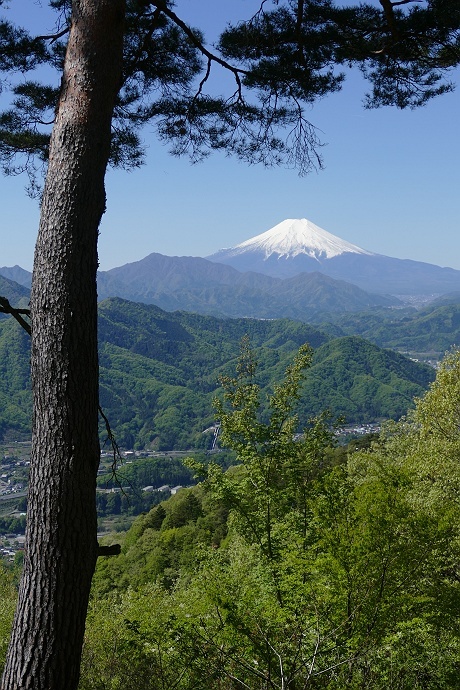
(292, 237)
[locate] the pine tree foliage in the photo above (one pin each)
(285, 56)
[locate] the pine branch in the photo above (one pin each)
(6, 308)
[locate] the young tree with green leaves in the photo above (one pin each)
(119, 65)
(274, 465)
(262, 584)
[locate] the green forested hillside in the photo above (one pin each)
(197, 285)
(160, 371)
(432, 329)
(297, 568)
(302, 566)
(17, 294)
(353, 377)
(15, 397)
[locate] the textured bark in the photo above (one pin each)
(61, 548)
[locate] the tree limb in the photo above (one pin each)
(236, 71)
(112, 550)
(53, 37)
(6, 308)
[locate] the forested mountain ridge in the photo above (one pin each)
(313, 297)
(197, 285)
(17, 275)
(17, 294)
(160, 371)
(353, 377)
(434, 328)
(15, 395)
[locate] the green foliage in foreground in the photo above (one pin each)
(8, 595)
(15, 395)
(296, 568)
(290, 571)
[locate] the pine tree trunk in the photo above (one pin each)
(61, 546)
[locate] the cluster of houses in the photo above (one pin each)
(165, 488)
(358, 429)
(10, 545)
(13, 475)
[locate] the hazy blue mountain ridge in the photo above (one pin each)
(297, 245)
(194, 284)
(197, 285)
(17, 275)
(16, 293)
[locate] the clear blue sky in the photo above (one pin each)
(390, 185)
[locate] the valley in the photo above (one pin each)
(171, 327)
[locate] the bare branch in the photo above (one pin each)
(6, 308)
(204, 80)
(404, 2)
(390, 18)
(53, 37)
(112, 550)
(236, 71)
(113, 442)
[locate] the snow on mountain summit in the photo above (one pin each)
(292, 237)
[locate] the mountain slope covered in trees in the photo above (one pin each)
(432, 329)
(301, 566)
(160, 371)
(197, 285)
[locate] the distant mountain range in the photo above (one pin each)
(17, 274)
(17, 294)
(294, 270)
(159, 370)
(197, 285)
(298, 245)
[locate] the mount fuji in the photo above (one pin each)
(291, 239)
(297, 245)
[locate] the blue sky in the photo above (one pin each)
(390, 184)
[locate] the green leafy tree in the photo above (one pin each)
(271, 460)
(260, 586)
(8, 596)
(359, 589)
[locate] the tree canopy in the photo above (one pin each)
(298, 568)
(288, 54)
